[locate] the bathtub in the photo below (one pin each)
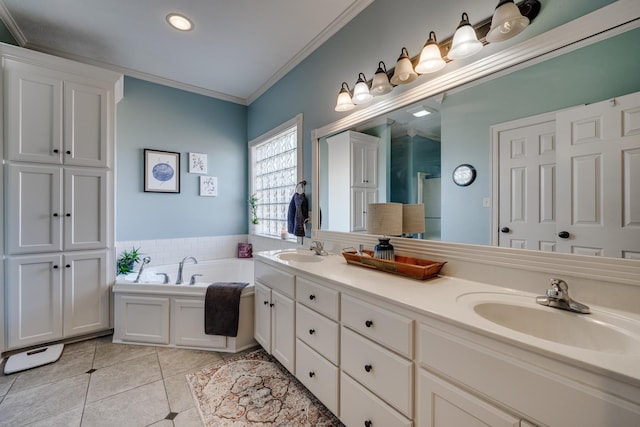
(171, 315)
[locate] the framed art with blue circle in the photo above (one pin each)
(161, 171)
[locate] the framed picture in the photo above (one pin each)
(209, 186)
(197, 163)
(161, 171)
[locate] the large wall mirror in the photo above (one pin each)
(417, 156)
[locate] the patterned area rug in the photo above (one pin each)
(255, 390)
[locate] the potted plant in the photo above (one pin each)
(253, 207)
(127, 260)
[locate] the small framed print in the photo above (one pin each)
(161, 171)
(209, 186)
(197, 163)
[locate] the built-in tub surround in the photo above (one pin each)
(153, 312)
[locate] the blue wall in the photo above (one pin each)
(162, 118)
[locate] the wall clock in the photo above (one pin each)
(464, 175)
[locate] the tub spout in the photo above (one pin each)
(181, 266)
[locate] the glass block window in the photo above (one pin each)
(274, 166)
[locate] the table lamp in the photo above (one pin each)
(412, 218)
(385, 219)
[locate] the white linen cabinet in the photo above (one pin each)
(59, 121)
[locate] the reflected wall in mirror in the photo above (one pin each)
(416, 156)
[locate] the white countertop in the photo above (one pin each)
(450, 299)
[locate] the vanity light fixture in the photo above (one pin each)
(465, 40)
(380, 84)
(179, 22)
(404, 72)
(430, 58)
(344, 98)
(361, 93)
(507, 22)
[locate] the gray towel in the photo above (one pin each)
(222, 308)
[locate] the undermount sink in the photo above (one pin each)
(602, 332)
(299, 256)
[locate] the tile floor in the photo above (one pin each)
(98, 383)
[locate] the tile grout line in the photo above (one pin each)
(86, 392)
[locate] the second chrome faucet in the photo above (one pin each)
(181, 267)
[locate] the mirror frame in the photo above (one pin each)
(601, 24)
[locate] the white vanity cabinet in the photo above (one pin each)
(275, 313)
(353, 179)
(59, 126)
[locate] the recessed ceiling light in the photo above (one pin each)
(420, 111)
(179, 22)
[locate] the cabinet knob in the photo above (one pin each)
(312, 297)
(312, 331)
(67, 215)
(505, 229)
(56, 151)
(368, 423)
(68, 152)
(266, 303)
(368, 368)
(368, 323)
(312, 374)
(55, 266)
(55, 214)
(68, 266)
(564, 234)
(271, 305)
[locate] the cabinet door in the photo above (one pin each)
(34, 299)
(440, 403)
(85, 209)
(85, 124)
(86, 293)
(283, 330)
(187, 325)
(33, 111)
(35, 216)
(262, 305)
(364, 170)
(141, 319)
(360, 199)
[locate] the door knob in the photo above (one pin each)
(505, 229)
(564, 234)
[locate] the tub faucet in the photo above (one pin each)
(181, 266)
(146, 260)
(558, 297)
(318, 247)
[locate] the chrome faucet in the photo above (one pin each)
(318, 247)
(146, 260)
(181, 266)
(558, 297)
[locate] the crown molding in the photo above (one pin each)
(11, 25)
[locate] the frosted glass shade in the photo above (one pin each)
(361, 93)
(384, 218)
(465, 43)
(507, 22)
(430, 58)
(380, 84)
(413, 218)
(344, 102)
(404, 72)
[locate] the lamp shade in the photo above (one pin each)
(361, 93)
(380, 84)
(507, 22)
(430, 58)
(465, 41)
(384, 218)
(344, 102)
(404, 72)
(413, 218)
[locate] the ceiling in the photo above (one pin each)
(236, 50)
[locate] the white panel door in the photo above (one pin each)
(364, 158)
(86, 293)
(262, 318)
(85, 209)
(283, 330)
(35, 216)
(360, 199)
(34, 299)
(599, 178)
(527, 187)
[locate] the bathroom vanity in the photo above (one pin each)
(381, 350)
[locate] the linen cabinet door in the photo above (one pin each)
(262, 322)
(283, 330)
(34, 299)
(86, 293)
(85, 200)
(34, 208)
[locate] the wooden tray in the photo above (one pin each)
(414, 268)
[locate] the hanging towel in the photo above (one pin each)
(298, 214)
(222, 308)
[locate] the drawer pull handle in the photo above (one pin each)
(368, 368)
(368, 423)
(312, 374)
(266, 303)
(368, 323)
(312, 297)
(312, 331)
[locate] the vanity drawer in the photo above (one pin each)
(358, 405)
(277, 279)
(381, 371)
(318, 332)
(322, 299)
(318, 375)
(386, 327)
